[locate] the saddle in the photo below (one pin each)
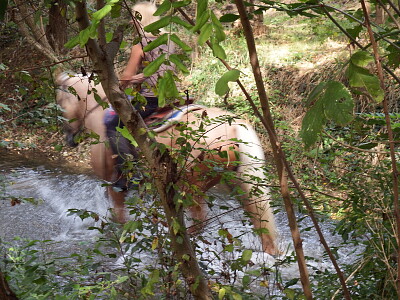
(165, 117)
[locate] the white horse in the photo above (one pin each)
(236, 140)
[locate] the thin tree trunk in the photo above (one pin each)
(278, 155)
(57, 29)
(5, 291)
(395, 172)
(288, 170)
(32, 31)
(163, 168)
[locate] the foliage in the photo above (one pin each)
(36, 273)
(360, 180)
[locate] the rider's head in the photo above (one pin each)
(144, 15)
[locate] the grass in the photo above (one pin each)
(300, 44)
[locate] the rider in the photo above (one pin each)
(132, 76)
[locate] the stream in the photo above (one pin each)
(57, 189)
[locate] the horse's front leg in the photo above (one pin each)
(118, 199)
(199, 183)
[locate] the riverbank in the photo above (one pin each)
(42, 145)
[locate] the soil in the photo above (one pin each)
(29, 139)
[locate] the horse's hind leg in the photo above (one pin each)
(262, 217)
(198, 211)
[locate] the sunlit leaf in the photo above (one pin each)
(218, 51)
(157, 25)
(312, 124)
(205, 33)
(338, 103)
(179, 43)
(175, 59)
(154, 66)
(202, 19)
(164, 7)
(162, 39)
(126, 134)
(361, 58)
(221, 87)
(101, 13)
(247, 254)
(221, 293)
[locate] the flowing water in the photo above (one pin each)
(57, 189)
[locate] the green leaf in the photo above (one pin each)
(221, 87)
(247, 254)
(175, 59)
(362, 78)
(126, 134)
(205, 33)
(179, 43)
(361, 58)
(72, 42)
(330, 101)
(219, 33)
(175, 226)
(164, 7)
(316, 93)
(200, 21)
(201, 8)
(312, 124)
(100, 101)
(161, 89)
(101, 13)
(157, 25)
(179, 21)
(338, 103)
(162, 39)
(229, 248)
(116, 11)
(166, 88)
(394, 55)
(109, 36)
(218, 51)
(355, 31)
(229, 18)
(84, 36)
(246, 281)
(3, 8)
(221, 293)
(154, 66)
(178, 4)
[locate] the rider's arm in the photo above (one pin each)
(130, 74)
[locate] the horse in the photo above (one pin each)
(235, 138)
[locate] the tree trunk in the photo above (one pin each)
(5, 292)
(57, 29)
(161, 165)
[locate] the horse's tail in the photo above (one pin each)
(252, 156)
(252, 161)
(61, 77)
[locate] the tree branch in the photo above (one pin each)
(161, 165)
(395, 173)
